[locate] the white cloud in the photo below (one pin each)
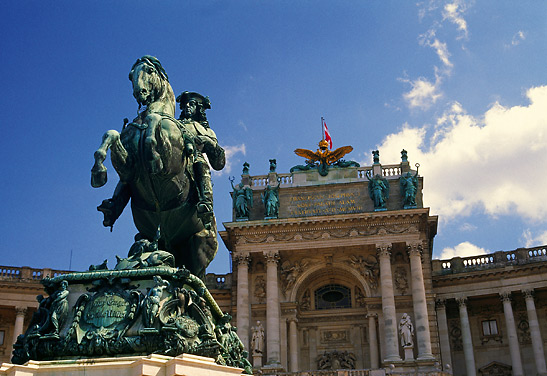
(454, 13)
(531, 240)
(468, 227)
(517, 38)
(464, 249)
(231, 151)
(494, 162)
(429, 39)
(423, 93)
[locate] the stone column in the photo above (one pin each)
(273, 346)
(514, 349)
(312, 340)
(388, 303)
(373, 341)
(421, 317)
(20, 313)
(535, 334)
(466, 338)
(293, 344)
(443, 333)
(243, 307)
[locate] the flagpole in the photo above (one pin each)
(322, 130)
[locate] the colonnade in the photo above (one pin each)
(389, 323)
(511, 329)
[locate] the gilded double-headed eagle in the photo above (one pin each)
(323, 155)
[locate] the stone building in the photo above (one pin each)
(329, 275)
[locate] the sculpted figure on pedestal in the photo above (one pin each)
(406, 331)
(270, 198)
(242, 200)
(257, 341)
(159, 160)
(409, 188)
(378, 190)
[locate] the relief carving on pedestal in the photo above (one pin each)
(367, 267)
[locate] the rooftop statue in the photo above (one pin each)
(378, 190)
(409, 187)
(242, 200)
(161, 166)
(323, 158)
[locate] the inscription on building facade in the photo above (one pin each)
(326, 203)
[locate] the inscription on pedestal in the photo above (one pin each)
(106, 310)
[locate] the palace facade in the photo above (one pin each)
(326, 283)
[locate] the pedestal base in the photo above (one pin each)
(257, 360)
(152, 365)
(409, 353)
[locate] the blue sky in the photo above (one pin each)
(461, 85)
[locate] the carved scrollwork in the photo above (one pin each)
(290, 272)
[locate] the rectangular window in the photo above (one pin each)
(489, 327)
(2, 333)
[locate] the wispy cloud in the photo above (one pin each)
(517, 39)
(429, 39)
(462, 250)
(423, 93)
(468, 227)
(489, 163)
(231, 159)
(533, 240)
(453, 12)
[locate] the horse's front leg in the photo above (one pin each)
(111, 139)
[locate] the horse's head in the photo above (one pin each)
(151, 84)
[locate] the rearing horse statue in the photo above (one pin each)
(153, 157)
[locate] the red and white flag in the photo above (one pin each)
(326, 133)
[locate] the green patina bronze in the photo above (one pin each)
(154, 301)
(378, 190)
(323, 159)
(409, 188)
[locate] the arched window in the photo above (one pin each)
(332, 296)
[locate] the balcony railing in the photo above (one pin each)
(499, 259)
(26, 273)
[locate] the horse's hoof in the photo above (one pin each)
(98, 176)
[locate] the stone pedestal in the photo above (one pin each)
(257, 360)
(409, 352)
(152, 365)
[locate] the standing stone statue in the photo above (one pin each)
(409, 188)
(257, 341)
(59, 308)
(242, 200)
(406, 331)
(378, 190)
(270, 198)
(193, 106)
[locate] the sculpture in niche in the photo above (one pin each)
(305, 302)
(154, 157)
(260, 288)
(270, 198)
(378, 190)
(242, 200)
(359, 297)
(257, 340)
(409, 188)
(400, 279)
(367, 267)
(406, 331)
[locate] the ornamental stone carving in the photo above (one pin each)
(336, 360)
(290, 271)
(359, 297)
(367, 267)
(260, 289)
(305, 302)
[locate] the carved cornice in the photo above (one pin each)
(317, 228)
